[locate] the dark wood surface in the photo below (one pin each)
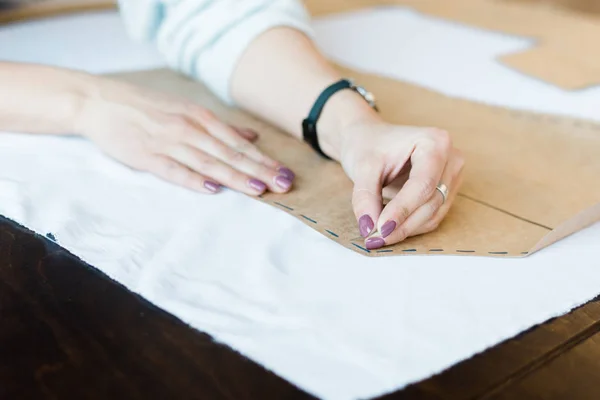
(69, 332)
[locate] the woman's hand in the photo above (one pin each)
(280, 76)
(177, 141)
(406, 164)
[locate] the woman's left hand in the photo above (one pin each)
(408, 162)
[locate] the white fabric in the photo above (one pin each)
(96, 43)
(205, 38)
(339, 325)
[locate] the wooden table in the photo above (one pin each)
(68, 332)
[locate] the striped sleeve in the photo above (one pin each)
(205, 38)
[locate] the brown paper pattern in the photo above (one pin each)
(531, 179)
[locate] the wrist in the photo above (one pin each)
(67, 98)
(87, 93)
(343, 110)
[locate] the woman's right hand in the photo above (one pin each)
(412, 163)
(176, 140)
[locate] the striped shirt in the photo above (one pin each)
(205, 38)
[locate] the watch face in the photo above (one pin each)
(368, 96)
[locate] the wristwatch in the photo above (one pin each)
(309, 124)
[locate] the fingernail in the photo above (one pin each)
(288, 173)
(212, 186)
(248, 133)
(365, 225)
(374, 243)
(283, 182)
(388, 228)
(257, 185)
(251, 132)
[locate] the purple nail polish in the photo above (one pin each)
(283, 182)
(365, 225)
(250, 132)
(245, 132)
(374, 243)
(212, 186)
(288, 173)
(257, 185)
(388, 228)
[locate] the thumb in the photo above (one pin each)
(367, 199)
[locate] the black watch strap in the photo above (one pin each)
(309, 125)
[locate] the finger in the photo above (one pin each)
(231, 138)
(424, 215)
(428, 163)
(453, 175)
(172, 171)
(249, 134)
(237, 138)
(278, 182)
(366, 199)
(210, 166)
(441, 213)
(392, 188)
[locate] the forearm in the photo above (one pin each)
(252, 53)
(39, 99)
(280, 76)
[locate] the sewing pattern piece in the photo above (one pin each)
(517, 196)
